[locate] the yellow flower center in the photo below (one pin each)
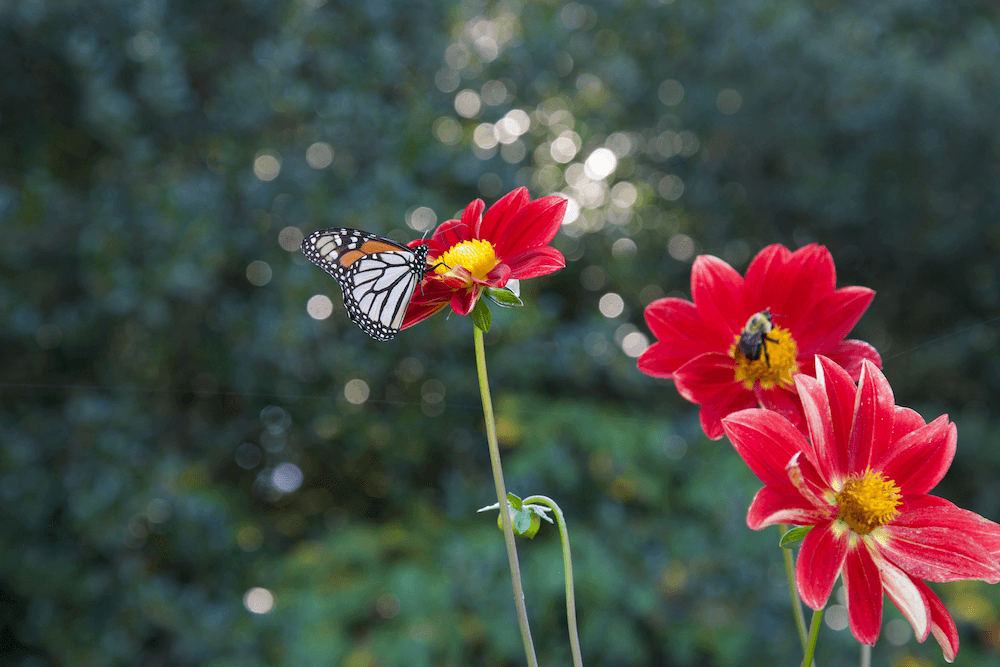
(776, 364)
(867, 502)
(475, 255)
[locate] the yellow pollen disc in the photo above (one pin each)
(475, 255)
(867, 502)
(776, 371)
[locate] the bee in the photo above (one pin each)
(753, 338)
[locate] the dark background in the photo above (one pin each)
(160, 370)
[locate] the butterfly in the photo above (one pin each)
(377, 275)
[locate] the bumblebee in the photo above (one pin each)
(753, 338)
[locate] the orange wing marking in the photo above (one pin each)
(370, 247)
(350, 257)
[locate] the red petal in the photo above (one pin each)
(772, 505)
(535, 224)
(766, 441)
(939, 544)
(419, 312)
(790, 283)
(784, 402)
(498, 277)
(905, 421)
(535, 262)
(831, 459)
(873, 416)
(704, 377)
(864, 595)
(450, 233)
(500, 214)
(820, 561)
(841, 394)
(942, 626)
(832, 318)
(918, 461)
(463, 301)
(717, 290)
(678, 321)
(733, 399)
(803, 476)
(471, 216)
(848, 354)
(907, 596)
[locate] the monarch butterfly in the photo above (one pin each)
(377, 275)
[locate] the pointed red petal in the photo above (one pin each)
(908, 598)
(717, 290)
(873, 416)
(848, 354)
(790, 283)
(820, 560)
(937, 544)
(942, 626)
(831, 459)
(784, 402)
(500, 214)
(676, 320)
(535, 224)
(766, 441)
(535, 262)
(732, 399)
(864, 595)
(918, 461)
(463, 301)
(704, 377)
(448, 234)
(832, 318)
(803, 476)
(772, 505)
(841, 394)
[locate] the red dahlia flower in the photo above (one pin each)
(509, 242)
(861, 481)
(741, 341)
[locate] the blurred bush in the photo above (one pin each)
(194, 471)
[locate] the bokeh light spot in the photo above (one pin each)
(611, 305)
(356, 391)
(600, 164)
(681, 247)
(286, 478)
(259, 273)
(258, 600)
(319, 155)
(319, 307)
(267, 165)
(468, 104)
(728, 101)
(671, 92)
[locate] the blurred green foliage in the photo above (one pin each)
(159, 163)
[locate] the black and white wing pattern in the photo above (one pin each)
(377, 275)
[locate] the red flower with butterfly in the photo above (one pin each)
(381, 279)
(742, 339)
(509, 242)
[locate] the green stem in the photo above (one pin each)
(813, 634)
(800, 619)
(508, 528)
(574, 636)
(866, 655)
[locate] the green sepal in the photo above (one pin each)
(503, 297)
(514, 500)
(793, 538)
(481, 316)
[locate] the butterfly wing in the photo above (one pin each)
(377, 275)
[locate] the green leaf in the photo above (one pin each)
(522, 521)
(514, 500)
(793, 538)
(481, 316)
(503, 297)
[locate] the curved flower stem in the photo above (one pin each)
(574, 636)
(807, 659)
(508, 528)
(800, 619)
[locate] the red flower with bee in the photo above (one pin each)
(741, 340)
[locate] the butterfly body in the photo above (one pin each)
(377, 275)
